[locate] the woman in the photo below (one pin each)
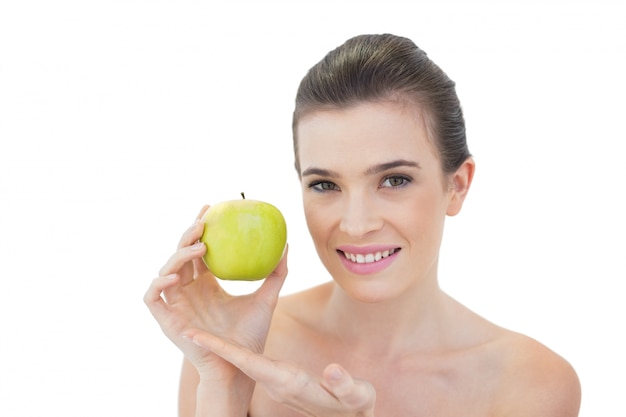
(380, 150)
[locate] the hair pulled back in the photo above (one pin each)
(372, 68)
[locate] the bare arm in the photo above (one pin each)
(334, 393)
(189, 381)
(186, 295)
(207, 398)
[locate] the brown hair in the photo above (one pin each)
(370, 68)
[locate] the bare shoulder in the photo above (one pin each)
(295, 327)
(303, 306)
(536, 380)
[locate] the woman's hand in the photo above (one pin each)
(335, 394)
(192, 298)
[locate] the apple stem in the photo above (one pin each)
(243, 195)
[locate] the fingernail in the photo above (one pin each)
(170, 276)
(197, 245)
(335, 374)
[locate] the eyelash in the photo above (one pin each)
(405, 180)
(318, 186)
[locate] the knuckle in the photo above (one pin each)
(363, 396)
(192, 234)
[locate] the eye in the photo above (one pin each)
(395, 181)
(323, 186)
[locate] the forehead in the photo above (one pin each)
(364, 134)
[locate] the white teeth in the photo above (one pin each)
(369, 257)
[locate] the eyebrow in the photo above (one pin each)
(319, 171)
(376, 169)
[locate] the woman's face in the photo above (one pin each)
(375, 197)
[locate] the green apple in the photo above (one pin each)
(245, 239)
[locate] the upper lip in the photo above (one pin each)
(364, 250)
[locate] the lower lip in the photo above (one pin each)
(367, 268)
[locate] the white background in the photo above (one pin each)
(120, 119)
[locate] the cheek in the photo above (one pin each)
(321, 220)
(314, 218)
(423, 215)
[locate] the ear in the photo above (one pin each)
(460, 183)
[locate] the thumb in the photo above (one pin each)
(270, 289)
(354, 394)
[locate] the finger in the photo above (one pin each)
(269, 291)
(287, 383)
(202, 211)
(192, 234)
(152, 298)
(200, 267)
(281, 268)
(256, 366)
(283, 381)
(354, 394)
(181, 257)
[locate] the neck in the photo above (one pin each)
(415, 320)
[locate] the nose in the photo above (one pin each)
(360, 216)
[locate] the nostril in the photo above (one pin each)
(357, 228)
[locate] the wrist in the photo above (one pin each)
(224, 396)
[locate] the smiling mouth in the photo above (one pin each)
(368, 258)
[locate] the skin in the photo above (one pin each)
(385, 343)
